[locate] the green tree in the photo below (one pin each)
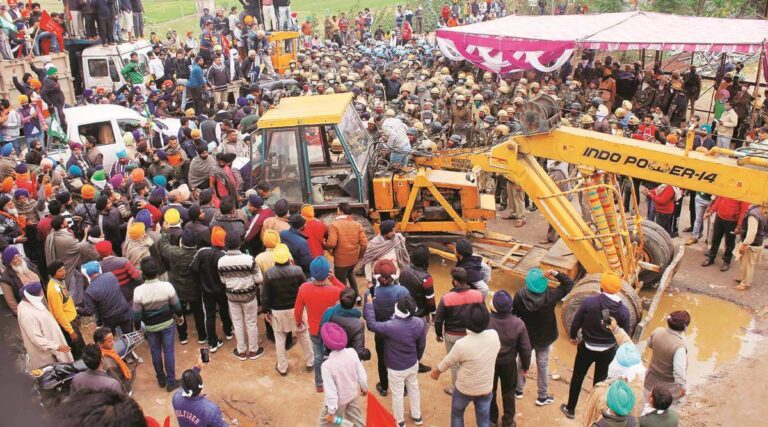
(607, 6)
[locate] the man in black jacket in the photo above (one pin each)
(514, 342)
(535, 305)
(279, 290)
(206, 265)
(419, 283)
(350, 319)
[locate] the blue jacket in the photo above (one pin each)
(196, 78)
(589, 319)
(299, 247)
(404, 339)
(385, 299)
(196, 411)
(104, 298)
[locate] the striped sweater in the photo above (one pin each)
(240, 275)
(155, 303)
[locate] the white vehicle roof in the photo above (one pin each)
(98, 113)
(121, 49)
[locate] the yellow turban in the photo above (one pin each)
(308, 212)
(610, 282)
(23, 99)
(172, 216)
(271, 238)
(136, 230)
(282, 254)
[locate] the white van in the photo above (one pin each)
(99, 66)
(108, 123)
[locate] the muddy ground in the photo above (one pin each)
(725, 341)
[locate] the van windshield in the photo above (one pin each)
(143, 62)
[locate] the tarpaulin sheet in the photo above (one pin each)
(523, 42)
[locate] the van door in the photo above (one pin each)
(105, 133)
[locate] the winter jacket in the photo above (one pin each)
(230, 223)
(197, 410)
(347, 240)
(404, 339)
(663, 198)
(385, 299)
(196, 79)
(537, 311)
(315, 230)
(104, 299)
(351, 321)
(51, 93)
(316, 299)
(453, 311)
(128, 276)
(514, 339)
(280, 287)
(217, 76)
(297, 243)
(473, 264)
(202, 231)
(206, 265)
(420, 285)
(179, 259)
(589, 319)
(729, 209)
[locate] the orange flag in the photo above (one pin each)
(377, 415)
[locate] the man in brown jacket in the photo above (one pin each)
(346, 240)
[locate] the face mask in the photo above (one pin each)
(478, 103)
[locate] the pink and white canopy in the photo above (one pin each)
(523, 42)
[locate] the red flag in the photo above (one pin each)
(377, 415)
(48, 24)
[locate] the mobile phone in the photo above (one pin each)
(205, 354)
(606, 317)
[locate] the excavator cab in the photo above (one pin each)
(315, 150)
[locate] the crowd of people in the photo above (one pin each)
(171, 227)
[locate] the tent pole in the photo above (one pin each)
(642, 54)
(757, 85)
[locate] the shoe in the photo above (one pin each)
(448, 391)
(216, 347)
(173, 387)
(707, 262)
(319, 388)
(401, 424)
(161, 383)
(381, 389)
(424, 368)
(309, 368)
(184, 341)
(692, 241)
(228, 337)
(742, 287)
(282, 374)
(418, 421)
(519, 223)
(568, 414)
(725, 266)
(518, 394)
(242, 356)
(255, 355)
(202, 341)
(687, 229)
(545, 400)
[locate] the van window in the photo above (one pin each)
(98, 68)
(113, 71)
(282, 165)
(128, 125)
(102, 131)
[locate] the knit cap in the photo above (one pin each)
(334, 337)
(136, 230)
(386, 226)
(620, 398)
(535, 281)
(320, 268)
(296, 221)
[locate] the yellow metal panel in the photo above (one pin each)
(383, 193)
(442, 227)
(307, 110)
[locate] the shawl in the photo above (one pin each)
(200, 170)
(136, 250)
(118, 360)
(378, 246)
(62, 246)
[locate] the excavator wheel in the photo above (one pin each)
(657, 249)
(588, 286)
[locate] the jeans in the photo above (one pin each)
(400, 381)
(722, 228)
(90, 25)
(506, 374)
(319, 350)
(346, 275)
(382, 368)
(584, 359)
(210, 303)
(245, 321)
(398, 158)
(161, 346)
(698, 225)
(542, 363)
(106, 30)
(459, 402)
(138, 23)
(196, 308)
(46, 35)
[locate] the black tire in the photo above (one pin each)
(656, 251)
(588, 286)
(646, 224)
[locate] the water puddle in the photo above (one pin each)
(720, 331)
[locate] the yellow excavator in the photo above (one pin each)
(315, 150)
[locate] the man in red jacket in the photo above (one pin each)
(315, 230)
(729, 213)
(663, 198)
(317, 295)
